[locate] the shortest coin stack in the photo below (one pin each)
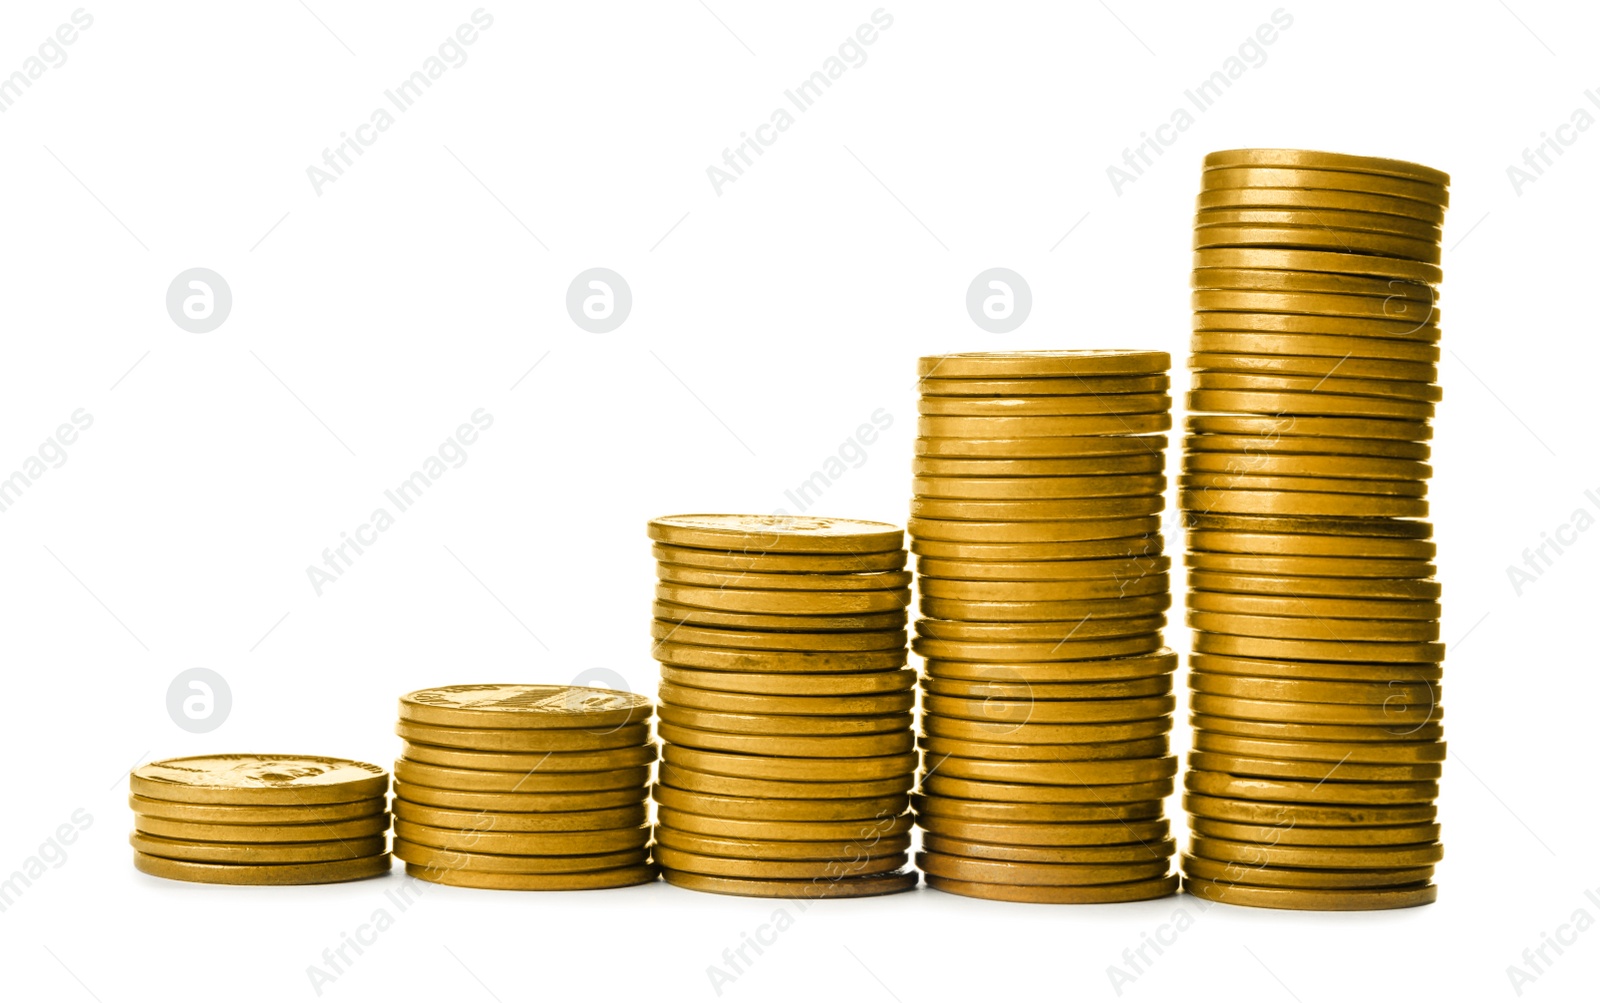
(524, 787)
(260, 820)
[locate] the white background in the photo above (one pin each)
(768, 323)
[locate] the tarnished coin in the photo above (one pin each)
(324, 872)
(524, 705)
(309, 832)
(485, 838)
(830, 705)
(224, 814)
(796, 890)
(868, 769)
(1131, 891)
(852, 581)
(434, 859)
(523, 763)
(783, 534)
(1033, 365)
(256, 853)
(739, 560)
(615, 878)
(530, 781)
(259, 780)
(519, 801)
(524, 739)
(519, 822)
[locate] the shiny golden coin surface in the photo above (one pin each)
(777, 660)
(1312, 628)
(1318, 900)
(792, 684)
(1333, 220)
(1392, 693)
(771, 601)
(1278, 813)
(781, 809)
(1299, 503)
(1397, 752)
(523, 763)
(1318, 160)
(1315, 366)
(806, 832)
(783, 724)
(524, 739)
(1132, 891)
(1295, 426)
(1285, 445)
(1318, 651)
(825, 705)
(529, 781)
(1091, 823)
(1048, 833)
(1094, 772)
(887, 743)
(778, 849)
(1033, 365)
(1313, 545)
(1012, 872)
(1072, 530)
(1042, 570)
(760, 640)
(256, 853)
(1066, 590)
(1311, 566)
(1026, 427)
(1044, 734)
(1309, 792)
(487, 839)
(1205, 483)
(1035, 510)
(767, 869)
(431, 858)
(782, 534)
(1039, 447)
(1293, 835)
(1282, 769)
(1295, 731)
(814, 888)
(1330, 857)
(791, 768)
(1045, 386)
(739, 560)
(310, 832)
(259, 780)
(1337, 262)
(325, 872)
(524, 705)
(1042, 630)
(1038, 651)
(1257, 875)
(523, 821)
(852, 581)
(1314, 200)
(1383, 307)
(1404, 187)
(1309, 404)
(1126, 465)
(1036, 488)
(1325, 324)
(1340, 385)
(1330, 588)
(1398, 715)
(1033, 711)
(961, 787)
(716, 619)
(936, 748)
(1302, 345)
(1318, 238)
(1007, 689)
(518, 801)
(220, 814)
(1066, 610)
(615, 878)
(1084, 404)
(719, 784)
(1160, 662)
(1287, 281)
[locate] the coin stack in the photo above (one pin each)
(787, 757)
(1048, 696)
(1317, 748)
(524, 787)
(260, 820)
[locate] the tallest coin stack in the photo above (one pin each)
(1314, 682)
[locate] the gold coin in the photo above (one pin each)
(1045, 630)
(1048, 833)
(1332, 588)
(1310, 792)
(997, 711)
(779, 849)
(1281, 280)
(1403, 186)
(813, 888)
(1306, 199)
(1040, 447)
(1036, 488)
(936, 748)
(887, 826)
(886, 743)
(1138, 584)
(1334, 857)
(1343, 385)
(1161, 662)
(770, 601)
(789, 684)
(1122, 853)
(1326, 485)
(1097, 772)
(486, 838)
(1335, 220)
(1058, 406)
(431, 858)
(777, 641)
(1016, 873)
(1311, 566)
(309, 832)
(256, 853)
(1314, 628)
(1123, 466)
(520, 822)
(523, 763)
(1401, 897)
(782, 534)
(823, 705)
(1040, 651)
(1033, 365)
(524, 739)
(1090, 824)
(1027, 427)
(1131, 891)
(1318, 651)
(1319, 239)
(728, 659)
(1291, 835)
(1041, 734)
(1009, 689)
(1298, 344)
(1318, 160)
(787, 582)
(1353, 752)
(264, 874)
(1315, 366)
(1256, 875)
(977, 790)
(1047, 386)
(619, 877)
(782, 622)
(534, 781)
(685, 779)
(1309, 404)
(1299, 503)
(523, 705)
(1042, 570)
(682, 861)
(1298, 770)
(259, 780)
(1312, 427)
(1421, 678)
(1068, 531)
(1314, 545)
(257, 814)
(1035, 510)
(808, 769)
(1309, 324)
(782, 724)
(1030, 612)
(1296, 731)
(1307, 816)
(738, 560)
(1397, 715)
(1339, 263)
(1201, 445)
(781, 810)
(518, 801)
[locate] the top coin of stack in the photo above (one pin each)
(260, 820)
(787, 756)
(524, 786)
(1048, 697)
(1316, 666)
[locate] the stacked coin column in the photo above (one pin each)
(1048, 696)
(524, 787)
(787, 755)
(1318, 744)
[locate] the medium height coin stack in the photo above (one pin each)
(1314, 680)
(1047, 701)
(787, 753)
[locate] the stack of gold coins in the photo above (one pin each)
(1048, 696)
(1318, 744)
(260, 820)
(524, 787)
(787, 757)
